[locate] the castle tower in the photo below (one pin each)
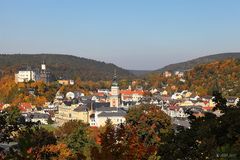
(114, 98)
(43, 67)
(43, 73)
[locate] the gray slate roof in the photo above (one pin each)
(81, 109)
(119, 113)
(107, 109)
(39, 115)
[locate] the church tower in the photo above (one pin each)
(114, 98)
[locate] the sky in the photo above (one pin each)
(133, 34)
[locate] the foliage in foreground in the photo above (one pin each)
(147, 134)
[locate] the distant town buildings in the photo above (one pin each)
(167, 74)
(66, 82)
(99, 106)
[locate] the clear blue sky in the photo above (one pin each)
(134, 34)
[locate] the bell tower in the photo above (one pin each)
(114, 98)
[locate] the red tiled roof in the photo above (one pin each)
(129, 92)
(207, 108)
(205, 102)
(25, 106)
(173, 107)
(1, 106)
(101, 94)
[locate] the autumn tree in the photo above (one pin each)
(151, 125)
(145, 129)
(55, 152)
(76, 135)
(31, 140)
(210, 137)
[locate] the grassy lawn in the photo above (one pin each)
(49, 127)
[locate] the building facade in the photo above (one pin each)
(25, 76)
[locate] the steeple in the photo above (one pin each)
(114, 98)
(114, 82)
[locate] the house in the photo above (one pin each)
(25, 107)
(167, 74)
(104, 91)
(232, 101)
(66, 82)
(186, 103)
(176, 96)
(179, 74)
(194, 98)
(133, 96)
(164, 93)
(153, 91)
(63, 82)
(37, 117)
(175, 111)
(182, 80)
(186, 93)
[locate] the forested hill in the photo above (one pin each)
(183, 66)
(67, 66)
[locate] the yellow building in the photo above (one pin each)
(73, 112)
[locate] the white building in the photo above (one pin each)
(37, 117)
(179, 74)
(25, 76)
(167, 74)
(116, 115)
(176, 96)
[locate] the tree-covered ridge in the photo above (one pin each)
(218, 75)
(203, 79)
(183, 66)
(62, 65)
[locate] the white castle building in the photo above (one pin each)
(25, 76)
(30, 75)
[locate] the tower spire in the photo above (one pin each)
(114, 83)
